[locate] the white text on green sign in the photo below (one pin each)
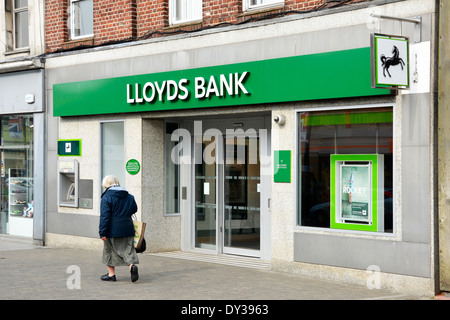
(231, 84)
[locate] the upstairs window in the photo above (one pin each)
(20, 23)
(182, 11)
(258, 4)
(81, 18)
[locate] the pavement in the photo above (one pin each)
(29, 272)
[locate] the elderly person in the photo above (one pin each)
(116, 229)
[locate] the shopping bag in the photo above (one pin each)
(139, 241)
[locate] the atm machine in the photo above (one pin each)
(68, 183)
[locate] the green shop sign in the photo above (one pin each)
(282, 166)
(327, 75)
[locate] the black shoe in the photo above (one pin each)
(134, 273)
(106, 277)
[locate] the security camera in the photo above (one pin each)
(279, 119)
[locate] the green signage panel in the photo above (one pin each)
(357, 192)
(327, 75)
(282, 166)
(69, 147)
(133, 166)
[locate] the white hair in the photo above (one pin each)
(109, 181)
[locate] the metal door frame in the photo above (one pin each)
(188, 179)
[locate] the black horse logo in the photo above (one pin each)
(392, 61)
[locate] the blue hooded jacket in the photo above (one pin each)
(116, 208)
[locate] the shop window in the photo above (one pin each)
(81, 18)
(16, 156)
(113, 150)
(339, 153)
(172, 171)
(259, 4)
(182, 11)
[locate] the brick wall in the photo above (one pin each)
(56, 29)
(120, 20)
(152, 16)
(114, 20)
(221, 11)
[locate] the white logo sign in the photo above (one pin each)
(390, 61)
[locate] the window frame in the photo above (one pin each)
(102, 167)
(178, 175)
(263, 4)
(14, 26)
(297, 171)
(173, 13)
(72, 21)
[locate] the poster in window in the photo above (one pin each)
(355, 192)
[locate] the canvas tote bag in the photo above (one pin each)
(139, 241)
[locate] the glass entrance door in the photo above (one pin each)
(242, 184)
(227, 192)
(205, 208)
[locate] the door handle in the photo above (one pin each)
(269, 203)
